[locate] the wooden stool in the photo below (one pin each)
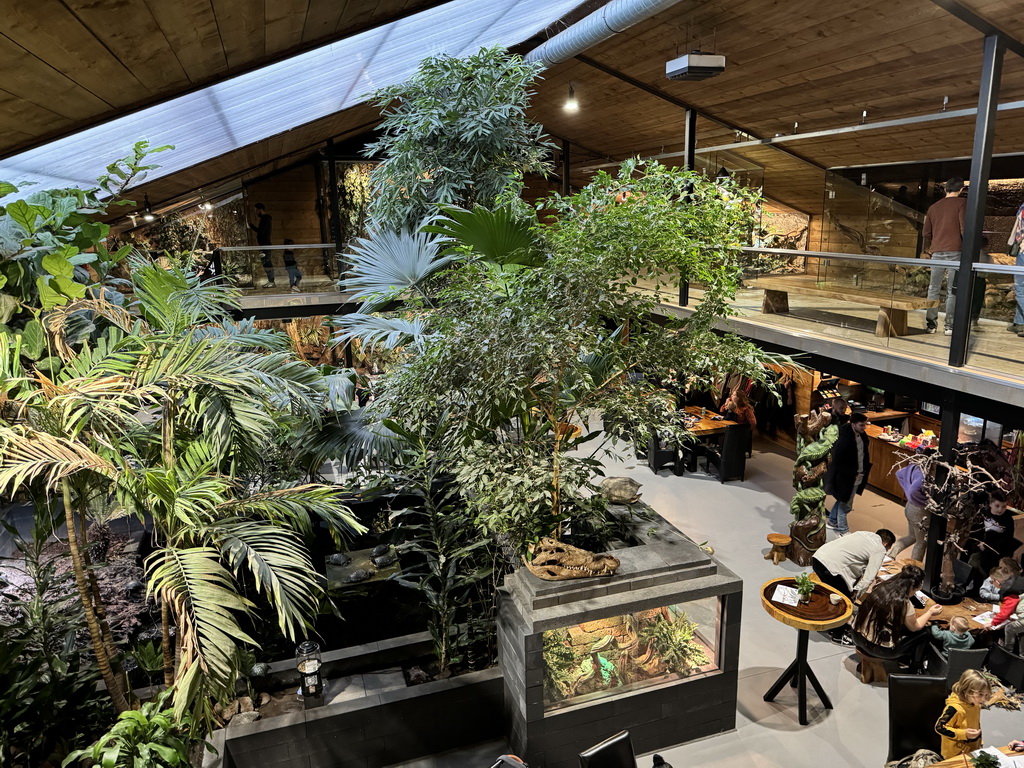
(779, 542)
(872, 670)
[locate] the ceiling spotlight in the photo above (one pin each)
(148, 210)
(571, 104)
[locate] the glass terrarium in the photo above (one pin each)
(607, 657)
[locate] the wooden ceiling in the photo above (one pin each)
(68, 64)
(814, 63)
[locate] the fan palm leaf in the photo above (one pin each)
(497, 236)
(373, 331)
(385, 265)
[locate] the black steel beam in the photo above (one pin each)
(656, 92)
(974, 221)
(566, 183)
(981, 24)
(690, 164)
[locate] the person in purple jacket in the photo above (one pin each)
(911, 480)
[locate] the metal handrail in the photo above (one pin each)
(851, 257)
(291, 247)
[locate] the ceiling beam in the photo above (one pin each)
(658, 93)
(981, 24)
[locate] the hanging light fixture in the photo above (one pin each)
(571, 104)
(148, 209)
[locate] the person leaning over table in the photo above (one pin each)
(850, 564)
(888, 627)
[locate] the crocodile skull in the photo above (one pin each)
(555, 561)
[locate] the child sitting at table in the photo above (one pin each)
(959, 725)
(988, 591)
(958, 635)
(1010, 586)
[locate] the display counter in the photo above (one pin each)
(885, 458)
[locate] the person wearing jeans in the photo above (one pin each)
(940, 274)
(847, 471)
(1017, 240)
(943, 238)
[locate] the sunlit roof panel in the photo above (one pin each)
(249, 108)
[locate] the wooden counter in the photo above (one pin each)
(884, 457)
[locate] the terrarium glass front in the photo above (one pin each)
(607, 657)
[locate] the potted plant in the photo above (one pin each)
(805, 587)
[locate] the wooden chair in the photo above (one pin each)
(779, 542)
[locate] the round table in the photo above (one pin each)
(817, 615)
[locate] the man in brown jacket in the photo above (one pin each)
(943, 239)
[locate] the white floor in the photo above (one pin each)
(734, 518)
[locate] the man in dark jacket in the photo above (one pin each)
(848, 470)
(262, 227)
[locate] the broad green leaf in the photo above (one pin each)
(6, 188)
(69, 287)
(57, 264)
(48, 297)
(33, 340)
(8, 307)
(49, 365)
(24, 214)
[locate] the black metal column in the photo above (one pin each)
(948, 432)
(566, 184)
(981, 161)
(689, 163)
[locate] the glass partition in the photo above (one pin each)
(277, 269)
(997, 317)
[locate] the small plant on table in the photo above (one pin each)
(804, 586)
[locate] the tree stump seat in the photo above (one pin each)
(779, 542)
(872, 670)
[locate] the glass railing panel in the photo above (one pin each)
(997, 317)
(279, 269)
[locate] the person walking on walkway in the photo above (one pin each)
(911, 480)
(943, 239)
(262, 228)
(847, 471)
(1016, 243)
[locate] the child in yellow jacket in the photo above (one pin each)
(959, 725)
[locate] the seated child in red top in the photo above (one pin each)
(1010, 587)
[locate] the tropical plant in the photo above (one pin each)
(674, 644)
(172, 404)
(47, 676)
(508, 354)
(450, 558)
(152, 736)
(455, 133)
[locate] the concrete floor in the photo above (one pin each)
(735, 518)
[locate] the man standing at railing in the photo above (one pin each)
(943, 239)
(262, 228)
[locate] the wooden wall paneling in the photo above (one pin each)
(21, 120)
(130, 31)
(191, 28)
(242, 25)
(46, 29)
(359, 14)
(286, 20)
(290, 198)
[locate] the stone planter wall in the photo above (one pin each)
(376, 730)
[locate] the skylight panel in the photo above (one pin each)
(279, 97)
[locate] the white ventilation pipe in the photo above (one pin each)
(617, 16)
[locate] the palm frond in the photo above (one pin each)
(27, 455)
(497, 236)
(374, 331)
(205, 603)
(293, 506)
(57, 320)
(387, 264)
(355, 437)
(280, 567)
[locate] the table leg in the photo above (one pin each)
(797, 675)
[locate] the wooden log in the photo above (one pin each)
(807, 534)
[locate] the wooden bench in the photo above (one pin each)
(892, 312)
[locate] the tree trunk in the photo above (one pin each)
(165, 639)
(114, 683)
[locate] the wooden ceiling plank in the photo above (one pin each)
(190, 26)
(322, 19)
(46, 29)
(35, 81)
(242, 30)
(130, 32)
(285, 22)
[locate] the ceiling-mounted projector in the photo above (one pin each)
(695, 66)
